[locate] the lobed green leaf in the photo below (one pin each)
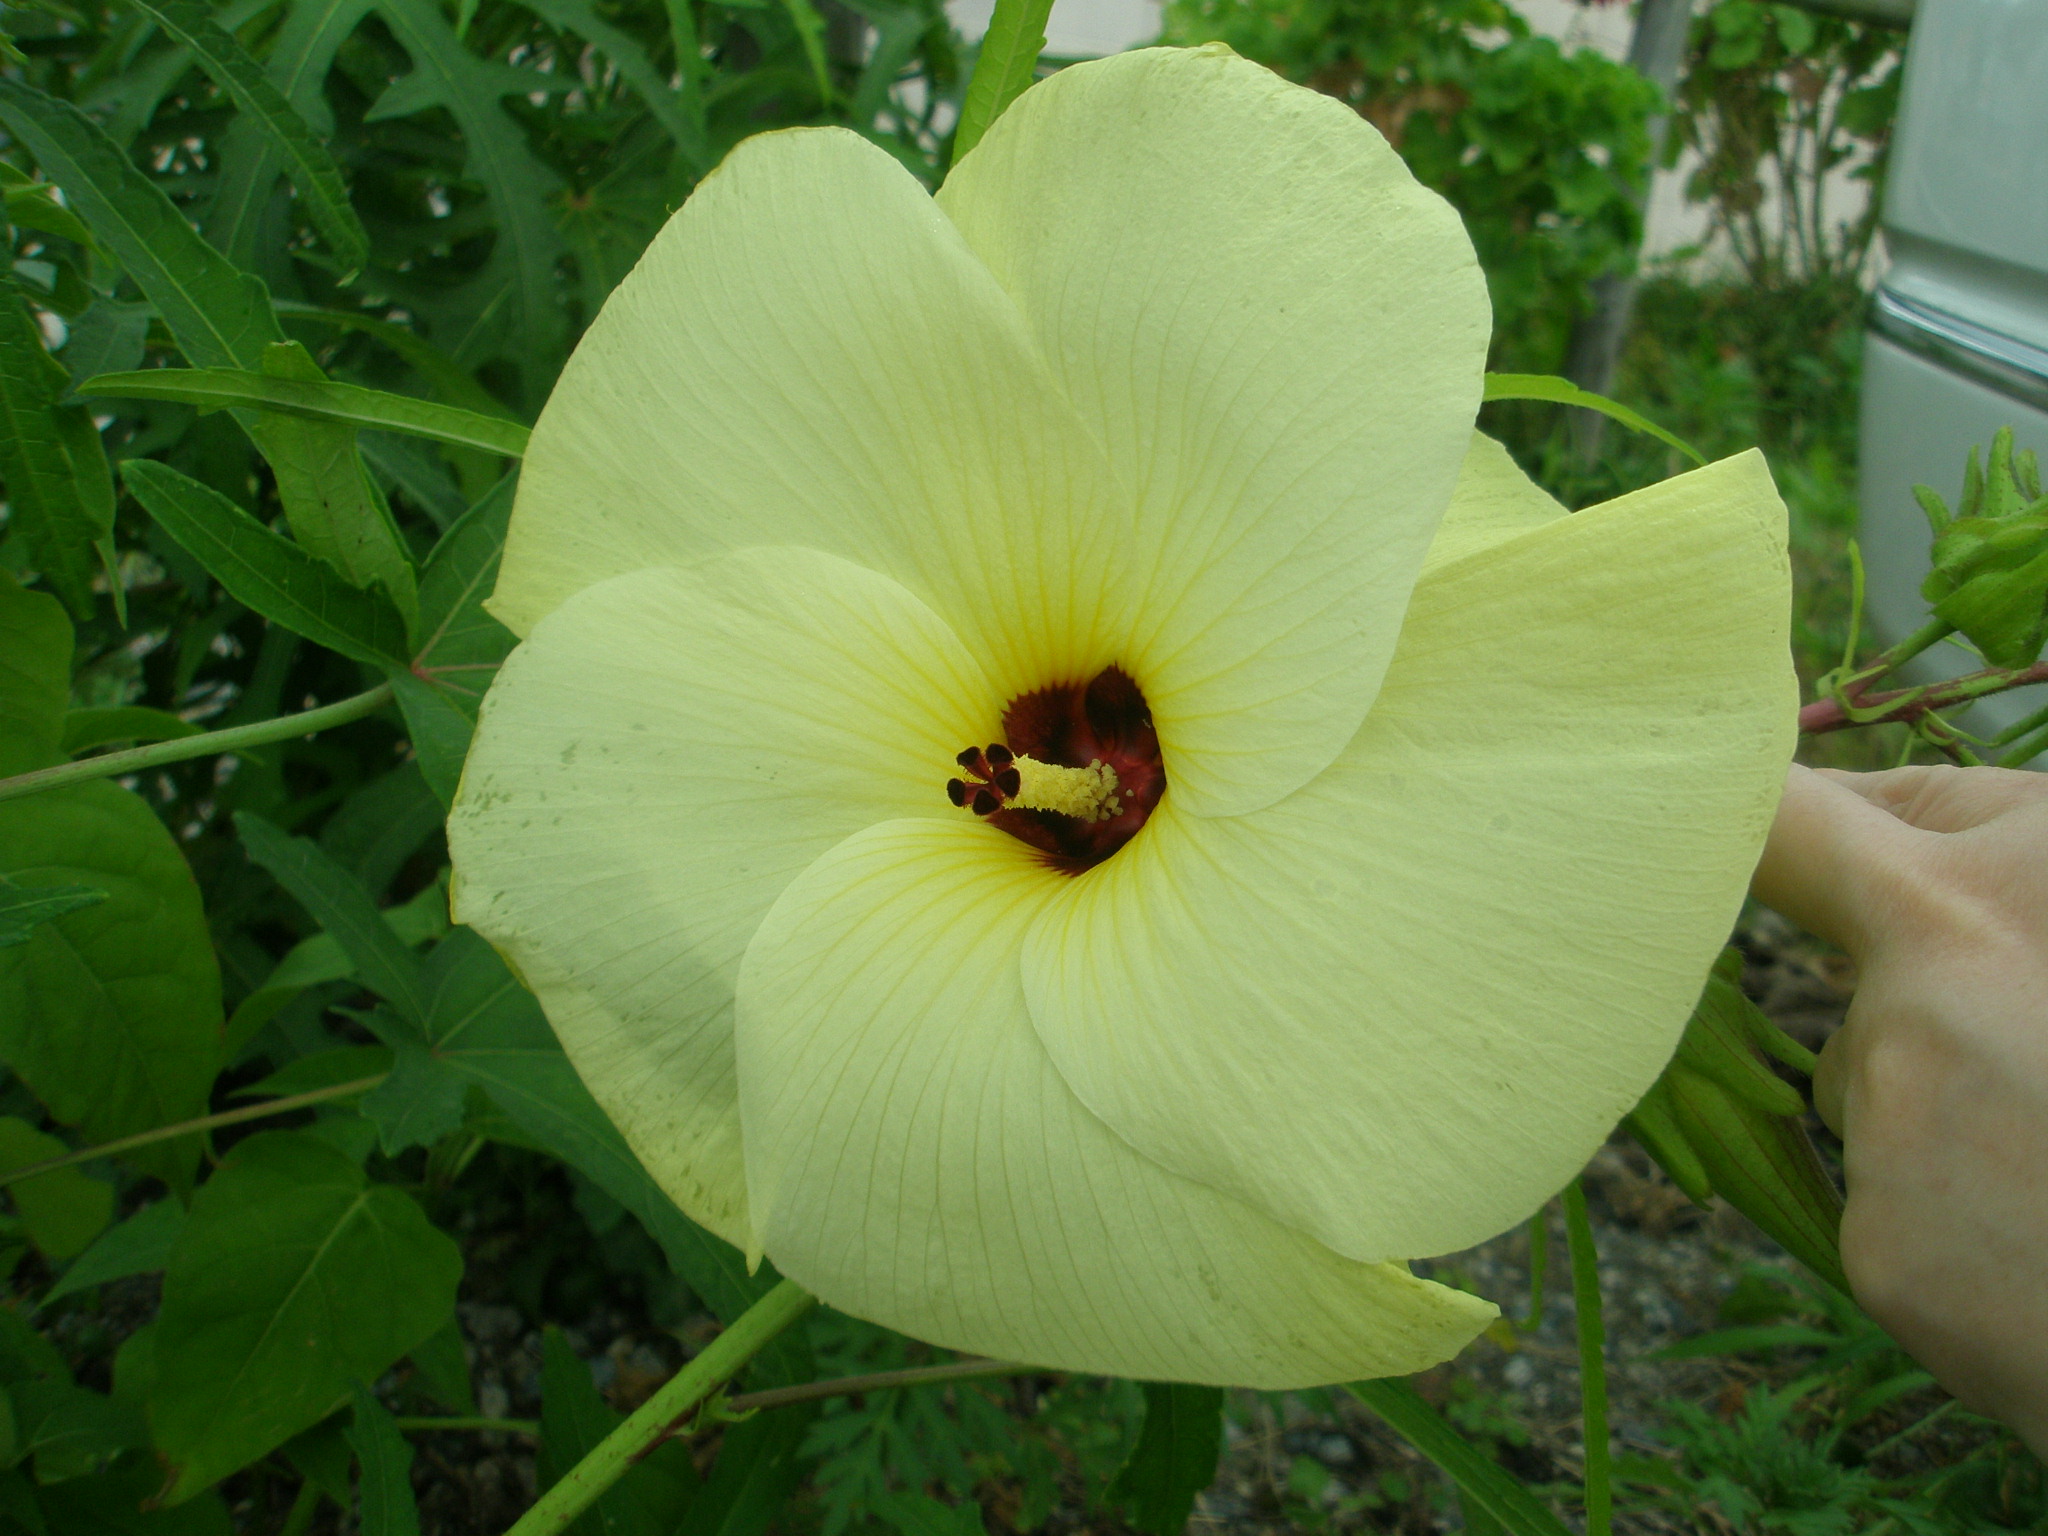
(268, 572)
(294, 1280)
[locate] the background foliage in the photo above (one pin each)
(257, 1328)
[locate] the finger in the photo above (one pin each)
(1834, 861)
(1939, 798)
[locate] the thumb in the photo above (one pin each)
(1835, 862)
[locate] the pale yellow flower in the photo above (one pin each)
(1157, 407)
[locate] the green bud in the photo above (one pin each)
(1765, 1167)
(1990, 561)
(1717, 1044)
(1657, 1133)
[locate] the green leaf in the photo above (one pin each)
(1174, 1459)
(59, 495)
(1478, 1478)
(62, 1210)
(444, 1370)
(250, 162)
(1543, 386)
(652, 1498)
(518, 280)
(322, 1457)
(1006, 65)
(322, 1069)
(340, 905)
(760, 1464)
(266, 571)
(312, 170)
(85, 729)
(111, 1504)
(21, 910)
(419, 1103)
(486, 1026)
(461, 645)
(219, 316)
(72, 1432)
(382, 825)
(32, 207)
(919, 1514)
(35, 677)
(293, 1281)
(138, 1246)
(108, 337)
(316, 400)
(432, 364)
(111, 1014)
(333, 506)
(1742, 1341)
(638, 71)
(385, 1487)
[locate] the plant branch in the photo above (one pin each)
(847, 1386)
(192, 1127)
(1578, 1230)
(211, 744)
(528, 1427)
(660, 1416)
(1910, 704)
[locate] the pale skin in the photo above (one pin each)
(1935, 881)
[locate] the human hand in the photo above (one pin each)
(1935, 880)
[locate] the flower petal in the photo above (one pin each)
(657, 760)
(1402, 1007)
(1493, 501)
(808, 354)
(1278, 335)
(914, 1159)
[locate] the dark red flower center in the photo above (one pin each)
(1102, 725)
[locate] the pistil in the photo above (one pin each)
(1001, 778)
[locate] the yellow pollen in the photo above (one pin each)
(1087, 794)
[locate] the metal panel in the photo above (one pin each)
(1968, 160)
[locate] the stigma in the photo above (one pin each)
(997, 777)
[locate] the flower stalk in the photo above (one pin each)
(662, 1414)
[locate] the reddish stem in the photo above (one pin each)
(1829, 715)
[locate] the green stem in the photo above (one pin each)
(212, 744)
(528, 1427)
(879, 1381)
(1539, 1263)
(1592, 1361)
(657, 1418)
(1908, 1432)
(192, 1127)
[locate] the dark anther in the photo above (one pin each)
(969, 757)
(956, 791)
(1001, 756)
(1010, 782)
(985, 803)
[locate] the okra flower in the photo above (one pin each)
(1018, 798)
